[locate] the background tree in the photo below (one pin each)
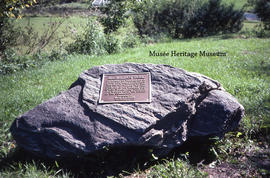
(115, 14)
(262, 9)
(10, 9)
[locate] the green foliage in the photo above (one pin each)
(91, 41)
(262, 9)
(47, 33)
(244, 73)
(262, 30)
(158, 38)
(57, 55)
(8, 34)
(145, 17)
(239, 4)
(112, 44)
(212, 18)
(30, 43)
(12, 62)
(33, 41)
(131, 40)
(128, 35)
(10, 9)
(34, 169)
(254, 29)
(30, 49)
(177, 169)
(115, 15)
(175, 16)
(249, 5)
(180, 18)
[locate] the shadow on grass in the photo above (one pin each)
(223, 36)
(262, 69)
(111, 162)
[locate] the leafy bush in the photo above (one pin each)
(145, 17)
(11, 62)
(8, 11)
(31, 42)
(8, 34)
(128, 35)
(181, 18)
(175, 16)
(158, 38)
(213, 18)
(262, 9)
(112, 44)
(131, 41)
(114, 15)
(56, 55)
(91, 41)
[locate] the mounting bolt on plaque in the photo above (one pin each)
(126, 88)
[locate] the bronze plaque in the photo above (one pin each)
(125, 88)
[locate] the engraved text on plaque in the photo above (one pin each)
(125, 87)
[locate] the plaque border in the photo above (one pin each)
(108, 102)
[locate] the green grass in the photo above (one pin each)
(244, 73)
(175, 168)
(74, 5)
(41, 24)
(238, 4)
(70, 27)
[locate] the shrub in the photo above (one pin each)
(128, 34)
(32, 42)
(91, 41)
(175, 16)
(11, 62)
(112, 44)
(8, 11)
(181, 18)
(213, 18)
(56, 55)
(115, 14)
(262, 9)
(8, 34)
(131, 40)
(145, 17)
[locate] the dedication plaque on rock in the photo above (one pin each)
(125, 88)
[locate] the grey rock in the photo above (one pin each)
(184, 105)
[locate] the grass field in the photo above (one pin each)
(40, 25)
(237, 4)
(72, 24)
(244, 73)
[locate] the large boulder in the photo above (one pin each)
(74, 123)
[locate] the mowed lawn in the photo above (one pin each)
(244, 72)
